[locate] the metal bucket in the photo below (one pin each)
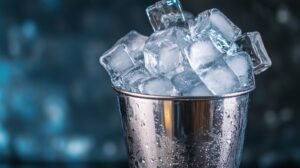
(187, 132)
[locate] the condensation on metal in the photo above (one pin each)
(169, 132)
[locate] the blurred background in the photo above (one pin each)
(56, 102)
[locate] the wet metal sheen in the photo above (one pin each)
(184, 132)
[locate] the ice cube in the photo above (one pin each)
(163, 52)
(198, 90)
(224, 25)
(158, 85)
(202, 54)
(184, 80)
(132, 79)
(188, 83)
(134, 42)
(165, 14)
(167, 60)
(116, 61)
(252, 43)
(219, 78)
(240, 63)
(214, 24)
(177, 35)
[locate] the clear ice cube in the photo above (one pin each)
(198, 90)
(252, 43)
(163, 52)
(214, 24)
(202, 54)
(188, 83)
(184, 80)
(177, 35)
(240, 63)
(165, 14)
(219, 78)
(132, 79)
(134, 42)
(224, 25)
(116, 61)
(158, 85)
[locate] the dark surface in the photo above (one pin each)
(54, 94)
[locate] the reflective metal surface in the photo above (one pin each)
(186, 132)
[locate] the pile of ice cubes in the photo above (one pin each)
(203, 56)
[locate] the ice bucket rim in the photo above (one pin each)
(158, 97)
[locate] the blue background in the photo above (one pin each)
(56, 102)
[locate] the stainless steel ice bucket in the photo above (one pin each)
(184, 132)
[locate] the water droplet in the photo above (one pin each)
(143, 161)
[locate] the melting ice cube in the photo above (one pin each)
(134, 42)
(252, 43)
(157, 86)
(214, 24)
(165, 14)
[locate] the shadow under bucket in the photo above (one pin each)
(187, 132)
